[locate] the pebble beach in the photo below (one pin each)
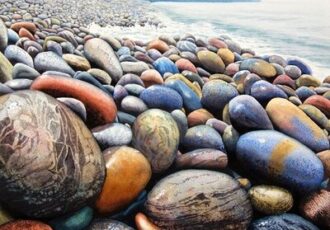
(104, 132)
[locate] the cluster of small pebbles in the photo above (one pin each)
(175, 133)
(75, 12)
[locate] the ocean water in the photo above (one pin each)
(286, 27)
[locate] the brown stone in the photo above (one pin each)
(185, 64)
(159, 45)
(217, 43)
(143, 223)
(26, 34)
(25, 225)
(100, 107)
(27, 25)
(199, 117)
(77, 62)
(127, 173)
(151, 77)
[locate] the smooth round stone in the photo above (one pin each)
(284, 80)
(151, 77)
(211, 61)
(108, 224)
(54, 47)
(45, 141)
(199, 117)
(100, 75)
(193, 86)
(217, 43)
(162, 97)
(264, 91)
(4, 89)
(218, 125)
(119, 93)
(278, 60)
(202, 136)
(134, 89)
(6, 69)
(78, 220)
(77, 62)
(223, 77)
(27, 25)
(316, 208)
(12, 37)
(191, 101)
(143, 223)
(304, 92)
(159, 45)
(305, 69)
(75, 105)
(316, 115)
(156, 135)
(124, 51)
(270, 200)
(22, 71)
(19, 84)
(291, 120)
(319, 102)
(185, 64)
(200, 198)
(133, 105)
(181, 121)
(115, 44)
(122, 164)
(249, 80)
(164, 65)
(292, 71)
(130, 79)
(3, 36)
(285, 221)
(325, 158)
(226, 55)
(186, 46)
(279, 69)
(308, 80)
(26, 225)
(233, 46)
(50, 61)
(274, 156)
(125, 118)
(230, 137)
(134, 67)
(5, 217)
(216, 94)
(246, 112)
(100, 52)
(202, 159)
(100, 108)
(259, 67)
(193, 77)
(115, 134)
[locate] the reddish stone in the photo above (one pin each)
(129, 43)
(159, 45)
(25, 33)
(325, 158)
(217, 43)
(100, 107)
(199, 117)
(231, 69)
(143, 223)
(27, 25)
(26, 225)
(285, 80)
(151, 77)
(320, 102)
(185, 64)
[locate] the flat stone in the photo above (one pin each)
(22, 71)
(16, 54)
(134, 67)
(46, 61)
(77, 62)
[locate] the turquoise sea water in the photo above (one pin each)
(287, 27)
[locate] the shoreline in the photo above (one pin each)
(100, 131)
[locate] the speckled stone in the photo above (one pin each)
(211, 61)
(26, 225)
(162, 97)
(101, 109)
(264, 91)
(216, 94)
(164, 65)
(46, 61)
(79, 175)
(122, 164)
(291, 120)
(270, 200)
(246, 112)
(156, 135)
(273, 156)
(202, 136)
(259, 67)
(108, 224)
(286, 221)
(202, 198)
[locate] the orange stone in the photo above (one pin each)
(25, 33)
(100, 107)
(325, 158)
(143, 223)
(26, 225)
(127, 174)
(226, 55)
(185, 64)
(27, 25)
(151, 77)
(217, 43)
(320, 102)
(159, 45)
(199, 117)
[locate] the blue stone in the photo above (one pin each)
(264, 91)
(304, 92)
(12, 37)
(305, 69)
(134, 89)
(164, 65)
(124, 51)
(186, 46)
(202, 136)
(162, 97)
(191, 101)
(280, 159)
